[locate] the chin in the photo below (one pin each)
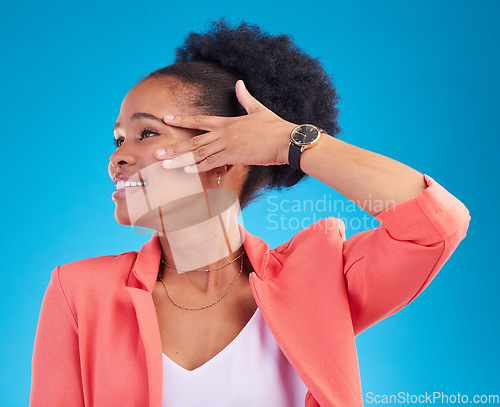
(122, 216)
(149, 220)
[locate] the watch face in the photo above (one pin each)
(305, 134)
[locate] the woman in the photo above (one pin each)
(205, 313)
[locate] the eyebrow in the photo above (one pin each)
(142, 115)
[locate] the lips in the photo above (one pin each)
(126, 184)
(121, 176)
(123, 180)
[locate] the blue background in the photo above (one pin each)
(419, 82)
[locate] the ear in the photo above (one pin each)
(250, 104)
(222, 169)
(235, 172)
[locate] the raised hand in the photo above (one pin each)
(259, 138)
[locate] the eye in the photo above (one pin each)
(147, 133)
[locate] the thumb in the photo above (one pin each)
(250, 104)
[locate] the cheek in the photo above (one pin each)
(167, 185)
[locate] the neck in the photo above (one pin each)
(210, 243)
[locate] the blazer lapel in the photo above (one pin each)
(140, 286)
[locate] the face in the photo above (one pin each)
(161, 198)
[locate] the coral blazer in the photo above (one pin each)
(98, 341)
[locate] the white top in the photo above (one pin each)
(250, 372)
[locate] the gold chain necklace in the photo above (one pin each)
(212, 303)
(216, 268)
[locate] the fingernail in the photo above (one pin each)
(161, 152)
(166, 163)
(188, 168)
(168, 117)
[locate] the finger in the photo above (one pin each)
(179, 161)
(184, 146)
(249, 103)
(192, 157)
(207, 123)
(212, 161)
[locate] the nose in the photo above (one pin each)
(123, 155)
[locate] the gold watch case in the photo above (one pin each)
(305, 136)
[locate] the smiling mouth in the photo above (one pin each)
(129, 184)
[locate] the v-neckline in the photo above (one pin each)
(217, 356)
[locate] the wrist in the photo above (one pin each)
(302, 138)
(282, 156)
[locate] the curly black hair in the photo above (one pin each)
(286, 80)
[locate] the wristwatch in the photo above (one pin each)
(301, 138)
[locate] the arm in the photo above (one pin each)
(369, 179)
(387, 267)
(56, 379)
(372, 181)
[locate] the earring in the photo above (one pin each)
(218, 179)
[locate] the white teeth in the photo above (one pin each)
(123, 184)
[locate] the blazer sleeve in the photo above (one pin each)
(387, 267)
(55, 372)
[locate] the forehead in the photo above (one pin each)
(159, 96)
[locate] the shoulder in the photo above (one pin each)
(328, 231)
(317, 244)
(94, 272)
